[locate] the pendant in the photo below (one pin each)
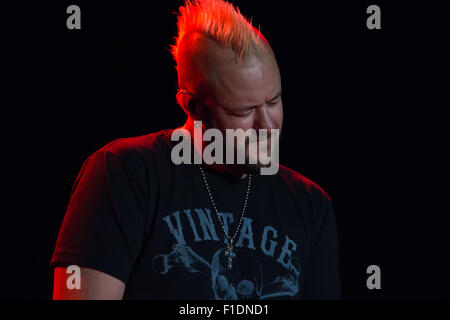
(229, 253)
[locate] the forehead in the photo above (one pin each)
(248, 83)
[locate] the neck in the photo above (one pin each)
(229, 171)
(232, 172)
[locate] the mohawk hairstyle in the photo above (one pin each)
(220, 21)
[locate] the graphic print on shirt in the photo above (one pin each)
(250, 283)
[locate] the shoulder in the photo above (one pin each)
(318, 204)
(151, 142)
(299, 183)
(134, 153)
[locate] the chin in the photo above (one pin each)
(254, 168)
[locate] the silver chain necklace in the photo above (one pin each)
(229, 253)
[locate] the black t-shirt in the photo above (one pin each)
(136, 216)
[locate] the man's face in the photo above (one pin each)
(246, 95)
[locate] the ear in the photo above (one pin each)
(188, 103)
(194, 108)
(183, 101)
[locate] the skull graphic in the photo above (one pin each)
(244, 281)
(231, 285)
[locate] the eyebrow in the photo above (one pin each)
(276, 96)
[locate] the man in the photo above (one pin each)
(141, 227)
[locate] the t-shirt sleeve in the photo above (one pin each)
(103, 227)
(322, 276)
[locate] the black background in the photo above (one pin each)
(366, 117)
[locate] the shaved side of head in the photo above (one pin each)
(213, 33)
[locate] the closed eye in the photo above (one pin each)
(244, 111)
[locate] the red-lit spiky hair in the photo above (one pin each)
(218, 20)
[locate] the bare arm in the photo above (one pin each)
(95, 285)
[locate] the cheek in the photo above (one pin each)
(225, 121)
(218, 120)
